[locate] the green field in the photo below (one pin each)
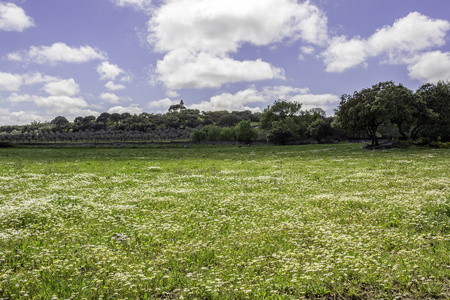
(210, 222)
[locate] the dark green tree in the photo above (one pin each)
(60, 123)
(401, 105)
(432, 119)
(245, 132)
(365, 110)
(280, 110)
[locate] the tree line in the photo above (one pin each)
(384, 110)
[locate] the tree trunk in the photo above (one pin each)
(404, 137)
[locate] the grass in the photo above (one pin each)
(224, 222)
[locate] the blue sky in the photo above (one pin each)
(84, 57)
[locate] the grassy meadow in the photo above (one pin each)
(222, 222)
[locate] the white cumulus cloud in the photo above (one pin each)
(10, 82)
(61, 104)
(183, 69)
(110, 85)
(109, 71)
(134, 110)
(13, 82)
(14, 18)
(66, 87)
(110, 98)
(8, 117)
(136, 4)
(430, 67)
(57, 53)
(161, 106)
(325, 101)
(37, 78)
(217, 25)
(201, 34)
(343, 54)
(232, 102)
(256, 100)
(399, 43)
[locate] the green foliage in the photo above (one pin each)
(433, 115)
(284, 121)
(60, 122)
(321, 129)
(229, 120)
(283, 131)
(279, 111)
(365, 110)
(402, 106)
(245, 132)
(431, 143)
(207, 133)
(228, 134)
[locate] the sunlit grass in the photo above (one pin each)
(224, 223)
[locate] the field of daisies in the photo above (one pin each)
(223, 222)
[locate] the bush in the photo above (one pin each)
(435, 144)
(6, 145)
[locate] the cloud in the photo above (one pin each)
(57, 53)
(61, 104)
(182, 69)
(203, 33)
(302, 95)
(13, 82)
(256, 100)
(136, 4)
(396, 44)
(172, 94)
(126, 78)
(8, 117)
(272, 93)
(62, 88)
(161, 106)
(343, 54)
(232, 102)
(325, 101)
(114, 87)
(109, 71)
(430, 67)
(130, 109)
(217, 25)
(413, 33)
(37, 78)
(13, 18)
(18, 98)
(110, 98)
(10, 82)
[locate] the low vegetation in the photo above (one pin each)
(203, 222)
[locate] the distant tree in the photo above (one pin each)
(60, 122)
(284, 121)
(198, 136)
(365, 110)
(229, 120)
(245, 132)
(318, 111)
(212, 132)
(432, 119)
(228, 134)
(283, 131)
(401, 106)
(280, 110)
(177, 107)
(321, 129)
(103, 118)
